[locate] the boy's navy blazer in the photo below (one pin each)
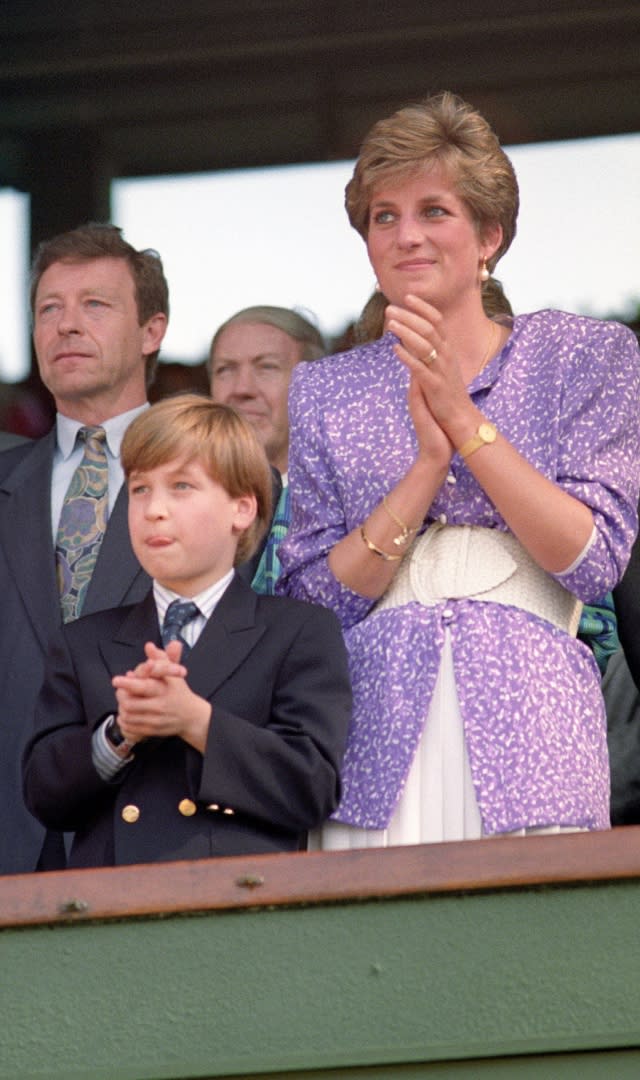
(275, 671)
(30, 618)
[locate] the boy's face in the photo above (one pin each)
(184, 526)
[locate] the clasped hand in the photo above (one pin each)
(438, 397)
(155, 699)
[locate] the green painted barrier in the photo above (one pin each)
(523, 961)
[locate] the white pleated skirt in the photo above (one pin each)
(438, 802)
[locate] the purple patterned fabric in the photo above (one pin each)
(565, 392)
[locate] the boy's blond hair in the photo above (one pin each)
(194, 427)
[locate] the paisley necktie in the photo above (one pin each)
(83, 522)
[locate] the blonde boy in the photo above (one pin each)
(158, 738)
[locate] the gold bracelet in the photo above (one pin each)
(407, 530)
(376, 550)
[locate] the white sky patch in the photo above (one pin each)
(14, 314)
(578, 240)
(233, 239)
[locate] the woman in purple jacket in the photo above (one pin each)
(459, 488)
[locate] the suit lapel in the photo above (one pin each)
(229, 636)
(117, 567)
(125, 648)
(26, 536)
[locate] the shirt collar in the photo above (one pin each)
(67, 431)
(206, 600)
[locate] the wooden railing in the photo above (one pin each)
(320, 877)
(313, 964)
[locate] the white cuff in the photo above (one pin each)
(107, 761)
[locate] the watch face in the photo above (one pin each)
(487, 433)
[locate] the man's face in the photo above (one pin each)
(90, 347)
(250, 370)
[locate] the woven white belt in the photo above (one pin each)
(452, 562)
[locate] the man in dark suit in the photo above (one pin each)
(100, 312)
(149, 754)
(251, 360)
(8, 439)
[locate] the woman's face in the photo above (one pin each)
(422, 240)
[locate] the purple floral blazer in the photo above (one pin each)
(565, 391)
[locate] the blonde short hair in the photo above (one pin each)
(441, 130)
(194, 427)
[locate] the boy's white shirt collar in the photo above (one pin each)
(205, 600)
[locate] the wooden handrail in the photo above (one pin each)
(320, 877)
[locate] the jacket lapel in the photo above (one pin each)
(26, 536)
(229, 636)
(125, 648)
(116, 567)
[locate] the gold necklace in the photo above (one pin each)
(485, 358)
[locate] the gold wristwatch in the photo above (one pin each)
(485, 434)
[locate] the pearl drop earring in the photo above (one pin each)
(484, 271)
